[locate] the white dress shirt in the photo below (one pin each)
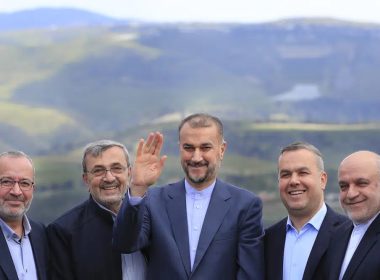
(356, 236)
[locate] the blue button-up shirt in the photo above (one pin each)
(196, 207)
(298, 245)
(21, 250)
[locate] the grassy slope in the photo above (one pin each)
(60, 176)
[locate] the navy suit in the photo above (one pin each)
(81, 245)
(39, 244)
(365, 262)
(230, 245)
(275, 245)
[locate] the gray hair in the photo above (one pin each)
(98, 147)
(305, 146)
(18, 154)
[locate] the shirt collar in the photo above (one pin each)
(203, 193)
(315, 221)
(105, 208)
(9, 232)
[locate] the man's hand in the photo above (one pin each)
(148, 164)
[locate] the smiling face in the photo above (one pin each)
(14, 202)
(108, 189)
(301, 183)
(201, 150)
(359, 182)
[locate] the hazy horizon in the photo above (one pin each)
(240, 11)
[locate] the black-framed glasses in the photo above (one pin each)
(102, 171)
(8, 183)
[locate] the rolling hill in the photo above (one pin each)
(83, 76)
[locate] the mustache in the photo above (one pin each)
(197, 164)
(113, 184)
(15, 198)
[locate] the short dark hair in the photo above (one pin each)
(305, 146)
(199, 120)
(98, 147)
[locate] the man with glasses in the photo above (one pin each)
(23, 243)
(81, 239)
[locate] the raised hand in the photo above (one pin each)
(148, 164)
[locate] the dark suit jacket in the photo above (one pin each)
(81, 245)
(39, 244)
(275, 244)
(365, 263)
(230, 245)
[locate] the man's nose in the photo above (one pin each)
(197, 156)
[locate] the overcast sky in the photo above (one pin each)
(214, 10)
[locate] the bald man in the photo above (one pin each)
(354, 252)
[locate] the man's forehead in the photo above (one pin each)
(297, 157)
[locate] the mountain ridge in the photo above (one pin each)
(110, 78)
(50, 18)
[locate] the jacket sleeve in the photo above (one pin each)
(131, 230)
(60, 253)
(251, 243)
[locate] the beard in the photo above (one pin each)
(198, 179)
(10, 213)
(110, 201)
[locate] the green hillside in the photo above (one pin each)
(271, 84)
(152, 71)
(250, 161)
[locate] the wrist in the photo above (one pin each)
(136, 190)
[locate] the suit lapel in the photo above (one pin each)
(320, 245)
(37, 248)
(338, 249)
(279, 242)
(176, 208)
(369, 239)
(216, 211)
(6, 261)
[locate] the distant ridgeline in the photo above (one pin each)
(69, 77)
(250, 161)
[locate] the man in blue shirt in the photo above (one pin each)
(23, 243)
(199, 227)
(295, 246)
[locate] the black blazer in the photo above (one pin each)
(39, 244)
(230, 244)
(81, 245)
(365, 262)
(275, 244)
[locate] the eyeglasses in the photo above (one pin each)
(24, 184)
(102, 171)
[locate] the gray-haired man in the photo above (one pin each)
(81, 238)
